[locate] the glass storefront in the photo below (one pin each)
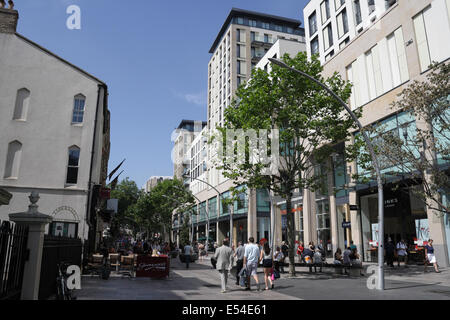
(446, 202)
(323, 224)
(405, 217)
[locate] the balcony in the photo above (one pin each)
(262, 41)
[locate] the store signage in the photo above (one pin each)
(353, 207)
(346, 224)
(390, 203)
(105, 193)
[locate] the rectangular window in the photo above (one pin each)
(72, 168)
(312, 23)
(422, 42)
(357, 8)
(252, 23)
(315, 46)
(342, 23)
(325, 10)
(327, 37)
(78, 109)
(338, 3)
(371, 4)
(63, 229)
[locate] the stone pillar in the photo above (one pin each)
(278, 227)
(36, 223)
(334, 221)
(308, 217)
(297, 222)
(251, 216)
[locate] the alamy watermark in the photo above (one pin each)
(231, 147)
(74, 20)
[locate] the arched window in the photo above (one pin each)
(72, 167)
(13, 160)
(78, 108)
(22, 103)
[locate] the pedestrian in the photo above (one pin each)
(251, 261)
(352, 245)
(276, 262)
(188, 251)
(355, 260)
(338, 256)
(390, 253)
(239, 256)
(201, 251)
(224, 257)
(430, 257)
(402, 254)
(300, 249)
(346, 259)
(284, 250)
(317, 260)
(267, 260)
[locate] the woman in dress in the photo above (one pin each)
(430, 257)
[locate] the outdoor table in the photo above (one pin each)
(152, 267)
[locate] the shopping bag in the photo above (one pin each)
(276, 274)
(243, 278)
(273, 277)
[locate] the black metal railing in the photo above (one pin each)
(13, 254)
(57, 250)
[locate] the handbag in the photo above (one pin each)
(273, 277)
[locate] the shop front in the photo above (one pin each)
(405, 217)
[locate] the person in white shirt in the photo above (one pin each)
(402, 254)
(251, 261)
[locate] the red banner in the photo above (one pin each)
(152, 267)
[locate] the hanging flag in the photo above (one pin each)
(114, 182)
(115, 170)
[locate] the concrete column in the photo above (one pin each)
(278, 230)
(356, 232)
(308, 216)
(219, 234)
(296, 222)
(334, 221)
(36, 223)
(437, 233)
(252, 217)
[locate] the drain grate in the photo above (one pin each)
(209, 285)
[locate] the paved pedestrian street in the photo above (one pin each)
(201, 282)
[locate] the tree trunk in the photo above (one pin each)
(290, 219)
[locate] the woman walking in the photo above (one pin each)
(430, 257)
(266, 257)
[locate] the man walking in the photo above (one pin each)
(239, 255)
(251, 261)
(224, 257)
(284, 250)
(188, 251)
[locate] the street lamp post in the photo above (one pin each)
(380, 284)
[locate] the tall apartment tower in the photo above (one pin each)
(242, 41)
(183, 136)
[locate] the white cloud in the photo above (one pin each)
(196, 98)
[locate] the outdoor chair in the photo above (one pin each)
(114, 260)
(127, 265)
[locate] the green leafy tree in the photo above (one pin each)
(422, 154)
(128, 194)
(164, 199)
(309, 121)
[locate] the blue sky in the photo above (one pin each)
(154, 57)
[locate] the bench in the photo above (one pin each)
(355, 270)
